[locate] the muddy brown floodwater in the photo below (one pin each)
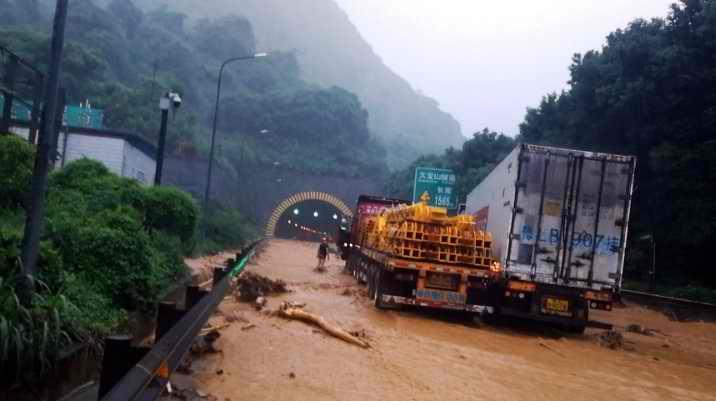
(427, 356)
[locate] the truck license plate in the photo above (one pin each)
(556, 304)
(444, 281)
(440, 296)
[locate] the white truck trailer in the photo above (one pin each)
(559, 221)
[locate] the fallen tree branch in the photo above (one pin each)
(289, 312)
(209, 329)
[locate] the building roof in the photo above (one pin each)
(135, 140)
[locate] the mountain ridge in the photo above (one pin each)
(332, 52)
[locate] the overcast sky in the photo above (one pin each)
(486, 61)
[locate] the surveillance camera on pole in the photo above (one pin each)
(169, 100)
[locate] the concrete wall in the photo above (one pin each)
(257, 190)
(138, 165)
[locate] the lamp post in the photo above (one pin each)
(213, 129)
(652, 270)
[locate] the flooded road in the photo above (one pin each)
(427, 356)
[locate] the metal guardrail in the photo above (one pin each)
(682, 309)
(146, 379)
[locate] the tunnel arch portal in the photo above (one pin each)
(302, 197)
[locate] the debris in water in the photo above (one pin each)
(611, 339)
(639, 329)
(260, 303)
(292, 375)
(248, 326)
(251, 286)
(235, 317)
(220, 371)
(289, 312)
(185, 364)
(359, 333)
(205, 344)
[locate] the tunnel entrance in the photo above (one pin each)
(312, 215)
(309, 220)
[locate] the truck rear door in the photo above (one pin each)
(568, 217)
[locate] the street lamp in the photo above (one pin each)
(652, 271)
(213, 129)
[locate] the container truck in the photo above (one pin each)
(417, 255)
(559, 221)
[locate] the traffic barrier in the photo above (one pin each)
(135, 373)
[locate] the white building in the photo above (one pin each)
(123, 153)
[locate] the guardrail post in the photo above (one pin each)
(115, 363)
(167, 316)
(219, 273)
(194, 294)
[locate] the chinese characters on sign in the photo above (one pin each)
(371, 208)
(439, 185)
(604, 244)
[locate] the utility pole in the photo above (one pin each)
(164, 106)
(35, 218)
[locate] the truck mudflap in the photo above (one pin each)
(398, 300)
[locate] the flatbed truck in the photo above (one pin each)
(397, 279)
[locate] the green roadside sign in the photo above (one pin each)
(439, 184)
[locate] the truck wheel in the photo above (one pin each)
(362, 275)
(371, 284)
(378, 289)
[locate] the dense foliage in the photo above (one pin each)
(110, 246)
(471, 164)
(15, 170)
(122, 59)
(226, 229)
(651, 92)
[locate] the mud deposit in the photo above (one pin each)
(430, 356)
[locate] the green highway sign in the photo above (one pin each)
(439, 184)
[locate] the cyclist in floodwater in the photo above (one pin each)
(322, 253)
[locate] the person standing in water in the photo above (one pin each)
(322, 253)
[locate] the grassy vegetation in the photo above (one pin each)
(110, 246)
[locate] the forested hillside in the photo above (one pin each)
(122, 58)
(330, 51)
(651, 92)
